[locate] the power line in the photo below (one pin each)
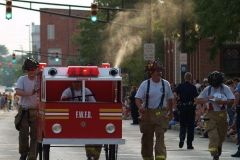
(76, 16)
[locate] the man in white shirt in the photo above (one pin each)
(26, 119)
(154, 100)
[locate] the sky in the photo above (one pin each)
(14, 33)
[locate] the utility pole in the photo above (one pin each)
(150, 23)
(149, 46)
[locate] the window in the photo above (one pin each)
(51, 32)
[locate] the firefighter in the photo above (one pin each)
(74, 93)
(154, 100)
(25, 121)
(186, 93)
(217, 96)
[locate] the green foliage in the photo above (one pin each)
(95, 37)
(89, 39)
(3, 50)
(134, 66)
(10, 72)
(219, 20)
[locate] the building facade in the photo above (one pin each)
(56, 35)
(227, 60)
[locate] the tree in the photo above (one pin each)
(3, 50)
(218, 20)
(120, 41)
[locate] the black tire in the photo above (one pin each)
(112, 153)
(46, 150)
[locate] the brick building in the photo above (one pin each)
(199, 63)
(56, 33)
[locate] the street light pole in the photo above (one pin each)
(29, 37)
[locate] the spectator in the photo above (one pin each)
(230, 107)
(133, 106)
(237, 154)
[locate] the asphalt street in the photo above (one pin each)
(129, 151)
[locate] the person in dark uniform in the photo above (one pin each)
(186, 92)
(133, 106)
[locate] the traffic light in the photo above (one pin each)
(94, 9)
(57, 57)
(8, 9)
(13, 58)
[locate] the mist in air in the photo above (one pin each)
(130, 29)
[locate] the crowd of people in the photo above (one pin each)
(8, 101)
(201, 110)
(201, 102)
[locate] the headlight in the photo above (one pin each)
(52, 71)
(110, 128)
(113, 72)
(56, 128)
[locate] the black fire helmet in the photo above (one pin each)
(153, 66)
(30, 64)
(215, 78)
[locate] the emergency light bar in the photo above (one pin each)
(105, 65)
(41, 66)
(83, 71)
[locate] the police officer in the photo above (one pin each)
(154, 100)
(217, 96)
(186, 93)
(27, 113)
(237, 93)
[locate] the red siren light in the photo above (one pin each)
(83, 71)
(41, 66)
(105, 65)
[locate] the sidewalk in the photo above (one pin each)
(228, 139)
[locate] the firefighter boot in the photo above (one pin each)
(237, 154)
(23, 157)
(216, 157)
(90, 158)
(219, 151)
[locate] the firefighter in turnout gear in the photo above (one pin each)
(217, 95)
(154, 100)
(25, 120)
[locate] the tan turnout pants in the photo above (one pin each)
(216, 127)
(93, 151)
(153, 121)
(28, 128)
